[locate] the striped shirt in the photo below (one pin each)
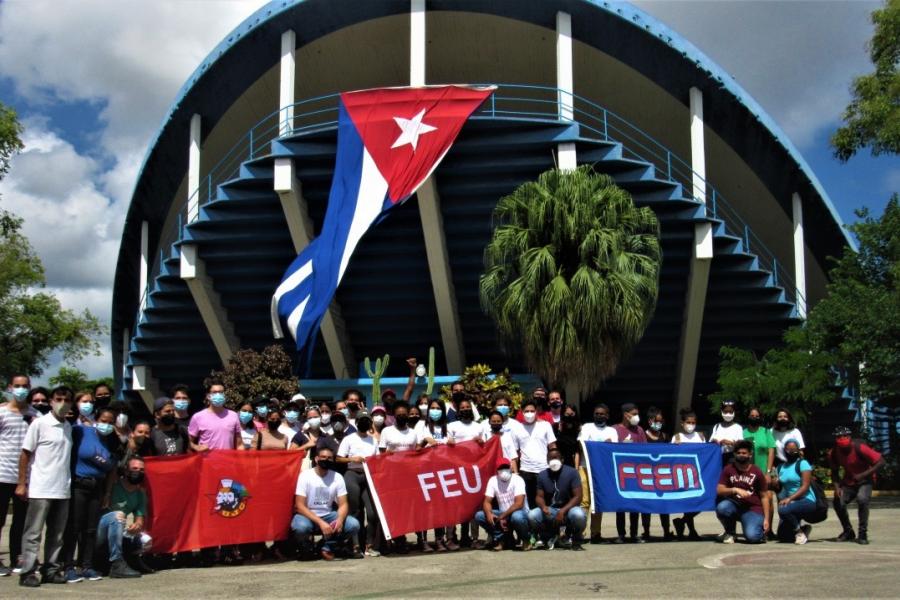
(12, 431)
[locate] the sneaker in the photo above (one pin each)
(356, 554)
(800, 537)
(618, 540)
(806, 529)
(576, 547)
(863, 539)
(848, 536)
(372, 552)
(725, 538)
(72, 576)
(91, 575)
(17, 570)
(119, 569)
(56, 577)
(564, 543)
(551, 543)
(29, 580)
(4, 570)
(538, 544)
(635, 539)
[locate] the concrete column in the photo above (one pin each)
(145, 265)
(698, 275)
(417, 43)
(567, 158)
(286, 87)
(215, 317)
(334, 330)
(126, 348)
(799, 256)
(143, 382)
(193, 205)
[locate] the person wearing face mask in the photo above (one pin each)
(727, 432)
(568, 430)
(763, 450)
(45, 480)
(39, 399)
(291, 424)
(415, 417)
(259, 410)
(507, 443)
(687, 435)
(353, 402)
(249, 427)
(215, 427)
(321, 506)
(784, 429)
(139, 443)
(340, 430)
(502, 403)
(379, 420)
(273, 436)
(598, 430)
(15, 416)
(94, 449)
(422, 403)
(860, 463)
(353, 452)
(399, 437)
(182, 401)
(539, 397)
(558, 503)
(535, 439)
(431, 431)
(796, 498)
(465, 428)
(555, 402)
(128, 498)
(458, 394)
(627, 432)
(84, 407)
(19, 387)
(102, 395)
(167, 437)
(656, 435)
(742, 490)
(507, 490)
(325, 419)
(306, 440)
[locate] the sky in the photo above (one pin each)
(92, 80)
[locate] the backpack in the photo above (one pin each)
(821, 511)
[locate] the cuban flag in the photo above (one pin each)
(389, 142)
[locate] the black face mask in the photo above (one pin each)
(781, 424)
(338, 427)
(135, 477)
(352, 406)
(412, 421)
(167, 420)
(72, 419)
(401, 421)
(497, 428)
(42, 408)
(743, 460)
(328, 465)
(792, 456)
(273, 425)
(754, 421)
(363, 424)
(101, 402)
(458, 396)
(466, 414)
(600, 421)
(556, 405)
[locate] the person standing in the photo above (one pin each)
(727, 432)
(629, 431)
(215, 427)
(763, 450)
(785, 429)
(182, 402)
(354, 450)
(859, 462)
(168, 437)
(15, 417)
(44, 464)
(742, 490)
(398, 438)
(656, 435)
(687, 435)
(536, 438)
(598, 430)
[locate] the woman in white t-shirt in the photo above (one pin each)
(353, 452)
(687, 435)
(727, 432)
(784, 429)
(465, 428)
(432, 431)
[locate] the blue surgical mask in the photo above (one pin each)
(245, 416)
(217, 399)
(182, 405)
(86, 409)
(291, 416)
(346, 412)
(262, 410)
(503, 410)
(656, 426)
(104, 428)
(434, 414)
(20, 393)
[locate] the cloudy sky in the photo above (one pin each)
(92, 80)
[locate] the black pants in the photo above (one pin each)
(530, 487)
(20, 509)
(862, 493)
(359, 499)
(645, 523)
(620, 523)
(81, 527)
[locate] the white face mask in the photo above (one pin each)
(378, 419)
(423, 408)
(504, 475)
(555, 464)
(314, 422)
(530, 416)
(689, 428)
(326, 418)
(634, 420)
(728, 417)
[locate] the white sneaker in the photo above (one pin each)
(725, 538)
(800, 537)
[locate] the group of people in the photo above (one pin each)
(73, 465)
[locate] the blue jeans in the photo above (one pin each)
(751, 522)
(575, 521)
(303, 528)
(790, 517)
(111, 530)
(518, 520)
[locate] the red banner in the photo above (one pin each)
(443, 485)
(220, 498)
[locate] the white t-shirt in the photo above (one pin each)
(533, 446)
(321, 493)
(733, 432)
(507, 444)
(511, 426)
(353, 445)
(50, 442)
(688, 438)
(247, 435)
(290, 430)
(463, 432)
(423, 431)
(13, 428)
(781, 436)
(397, 441)
(506, 491)
(591, 433)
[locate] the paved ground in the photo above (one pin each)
(822, 569)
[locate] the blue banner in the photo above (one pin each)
(653, 478)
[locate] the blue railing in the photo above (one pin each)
(510, 101)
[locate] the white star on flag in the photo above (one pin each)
(411, 129)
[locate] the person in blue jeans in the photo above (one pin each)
(558, 502)
(796, 498)
(741, 490)
(321, 504)
(127, 498)
(508, 489)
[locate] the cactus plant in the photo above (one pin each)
(430, 387)
(381, 365)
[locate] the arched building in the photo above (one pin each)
(236, 180)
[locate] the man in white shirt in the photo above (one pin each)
(598, 431)
(534, 441)
(318, 491)
(45, 464)
(508, 489)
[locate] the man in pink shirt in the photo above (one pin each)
(215, 427)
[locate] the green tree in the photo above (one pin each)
(78, 380)
(33, 324)
(251, 374)
(572, 275)
(873, 116)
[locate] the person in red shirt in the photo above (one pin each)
(741, 490)
(860, 462)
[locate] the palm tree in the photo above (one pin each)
(572, 275)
